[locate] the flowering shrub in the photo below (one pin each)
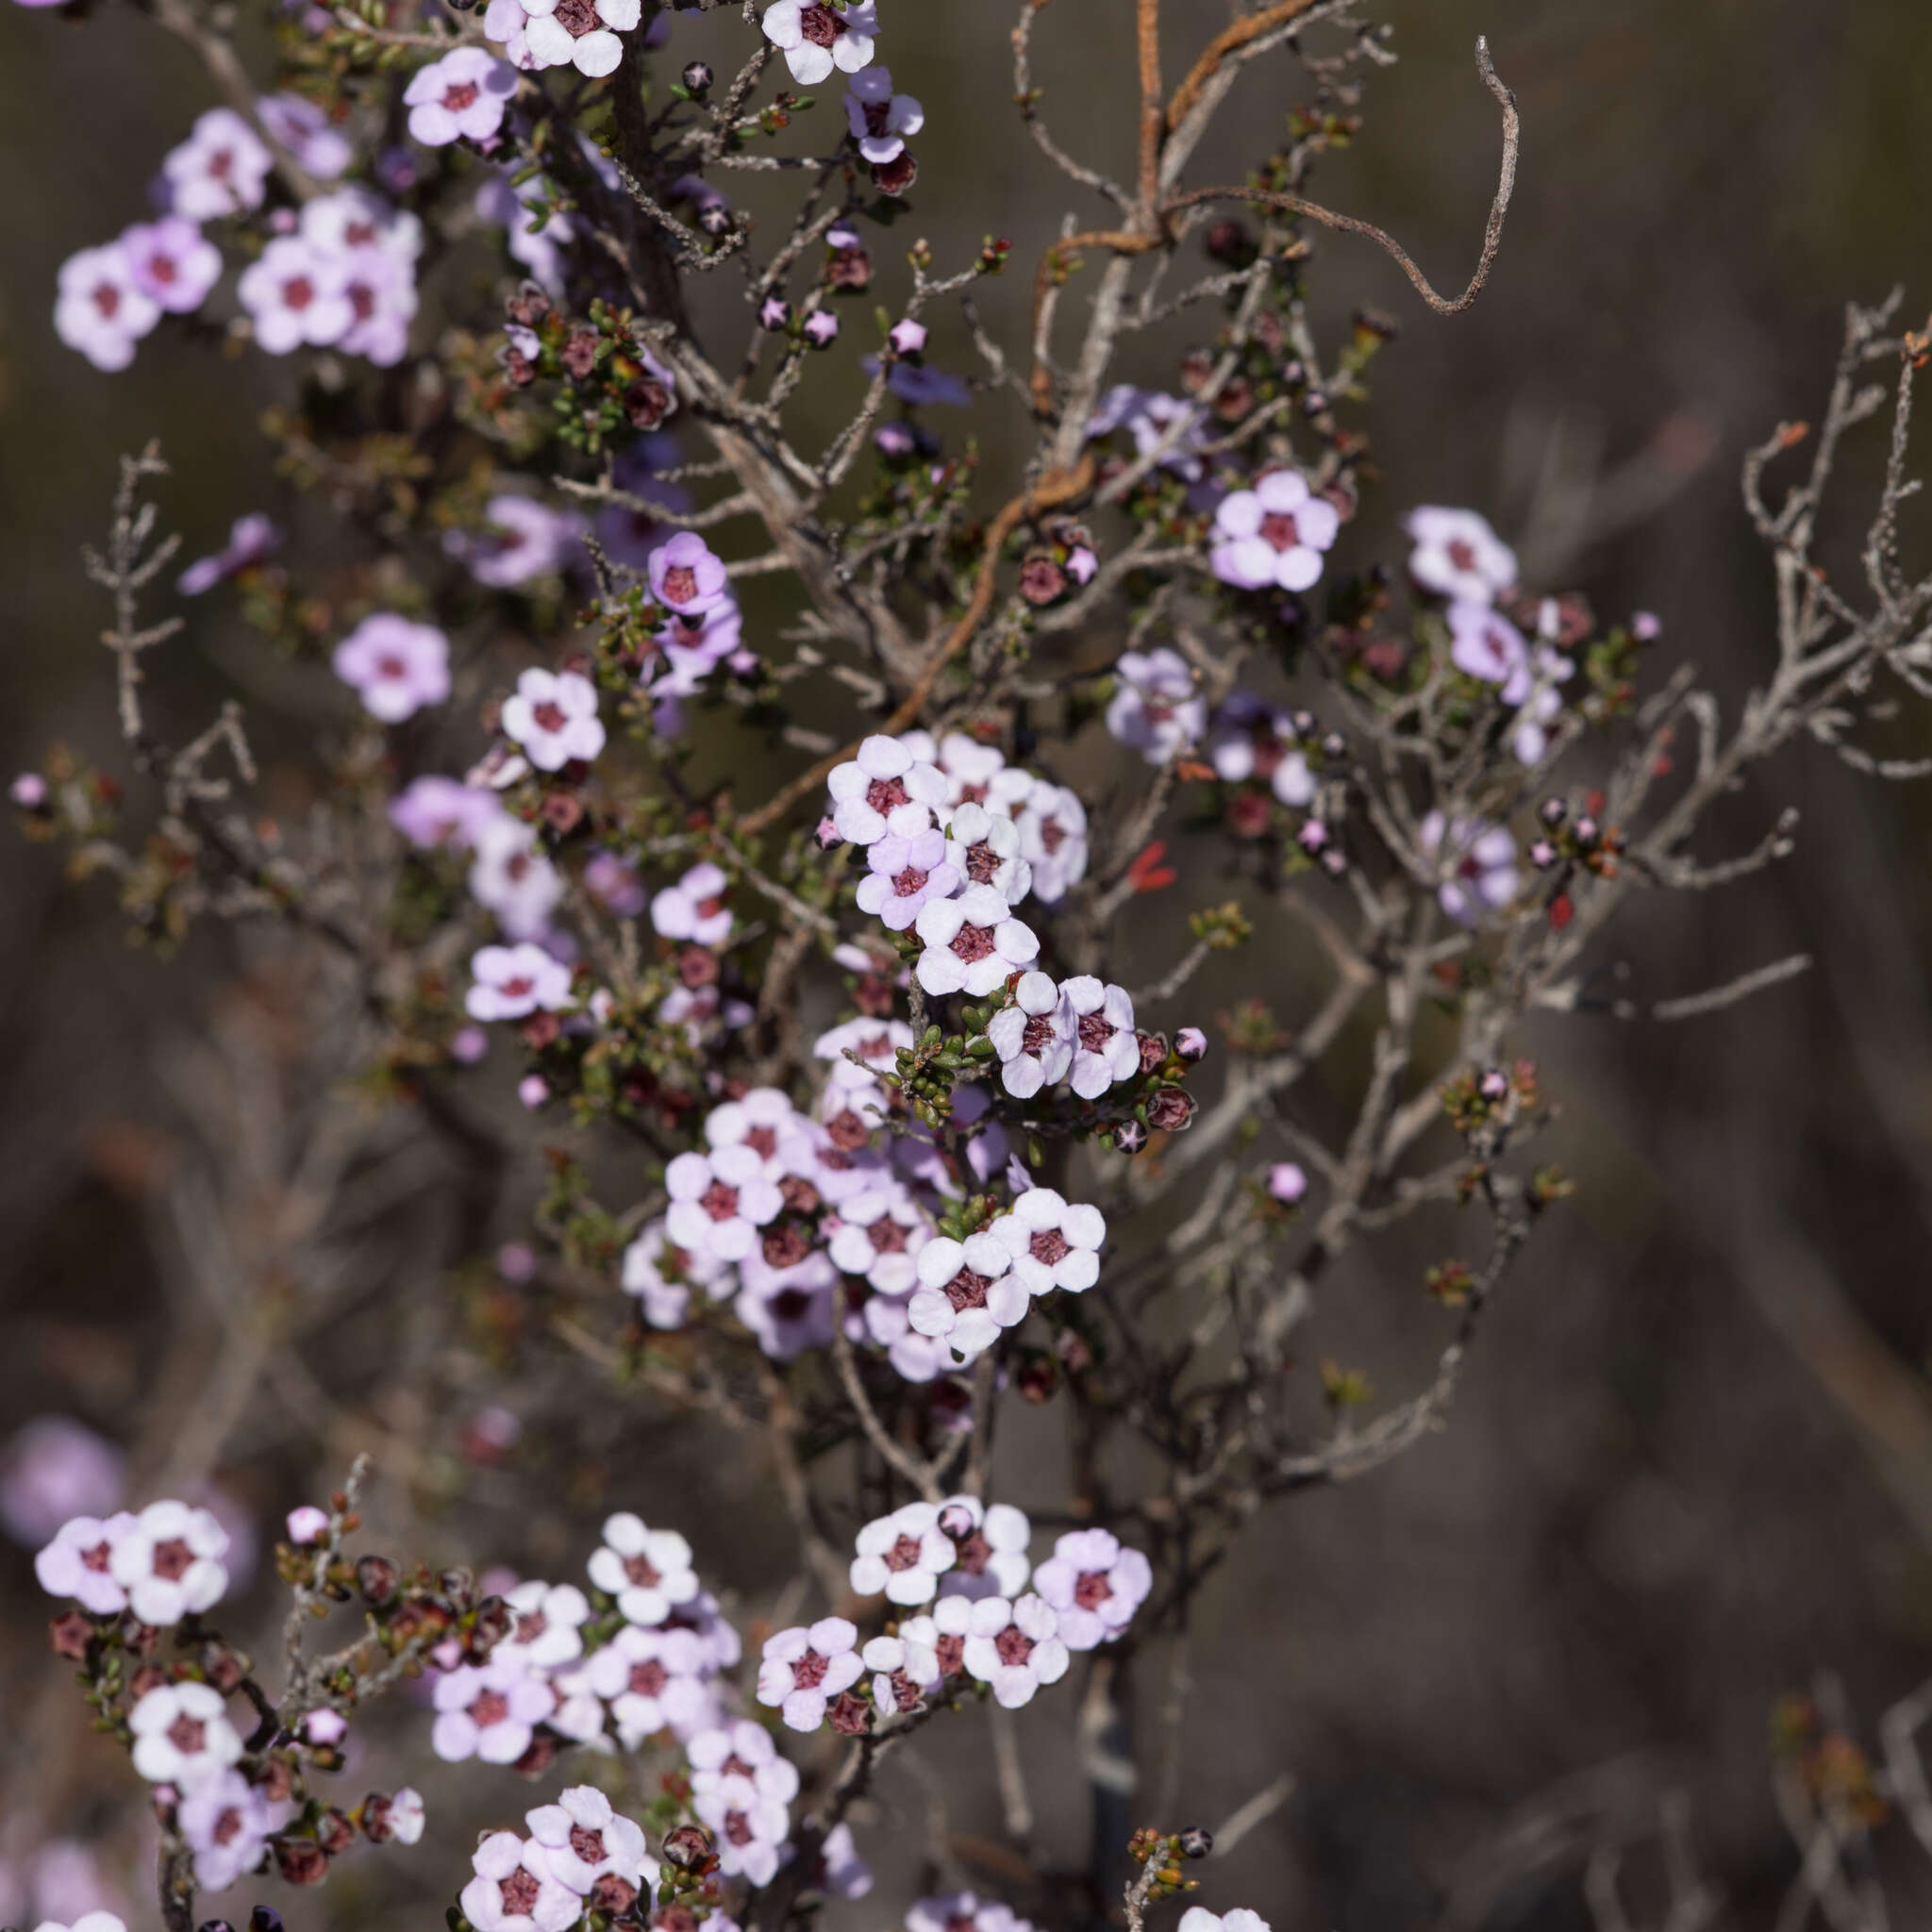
(845, 1082)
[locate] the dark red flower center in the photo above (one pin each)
(1092, 1589)
(904, 1555)
(1461, 553)
(820, 26)
(187, 1734)
(519, 1892)
(882, 795)
(967, 1290)
(298, 292)
(886, 1236)
(680, 580)
(96, 1558)
(1039, 1035)
(588, 1845)
(809, 1673)
(171, 1559)
(763, 1141)
(1279, 532)
(1053, 835)
(720, 1201)
(908, 882)
(107, 298)
(459, 96)
(1013, 1645)
(1095, 1031)
(578, 17)
(982, 862)
(639, 1568)
(649, 1677)
(490, 1708)
(548, 717)
(972, 942)
(1049, 1246)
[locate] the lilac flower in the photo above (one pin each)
(250, 539)
(552, 716)
(1485, 644)
(762, 1119)
(546, 1627)
(461, 97)
(992, 1541)
(79, 1562)
(1251, 740)
(719, 1201)
(525, 539)
(355, 221)
(169, 1562)
(984, 846)
(296, 295)
(515, 1891)
(907, 874)
(648, 1571)
(1272, 535)
(437, 810)
(876, 1041)
(879, 1235)
(962, 1911)
(397, 666)
(1481, 861)
(173, 262)
(304, 129)
(975, 774)
(513, 877)
(790, 1308)
(905, 336)
(686, 577)
(489, 1711)
(1456, 555)
(967, 1292)
(1199, 1919)
(1015, 1647)
(511, 982)
(885, 788)
(972, 943)
(100, 308)
(661, 1275)
(1155, 710)
(1054, 1242)
(749, 1828)
(820, 328)
(1094, 1585)
(182, 1736)
(695, 909)
(584, 1841)
(563, 33)
(1033, 1037)
(804, 1669)
(880, 120)
(227, 1821)
(221, 169)
(746, 1750)
(1053, 836)
(906, 1667)
(840, 1872)
(653, 1680)
(903, 1554)
(56, 1468)
(1287, 1182)
(1105, 1047)
(815, 38)
(1153, 420)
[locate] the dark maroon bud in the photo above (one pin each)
(300, 1861)
(518, 366)
(1153, 1050)
(895, 176)
(459, 1585)
(1249, 814)
(1195, 1843)
(377, 1577)
(1130, 1136)
(849, 268)
(647, 403)
(1171, 1109)
(1037, 1378)
(378, 1825)
(697, 79)
(714, 218)
(580, 352)
(149, 1678)
(1228, 241)
(529, 308)
(851, 1716)
(688, 1847)
(333, 1831)
(612, 1895)
(493, 1620)
(1553, 812)
(68, 1633)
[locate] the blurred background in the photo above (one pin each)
(1690, 1469)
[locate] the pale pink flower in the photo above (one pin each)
(1053, 836)
(884, 790)
(584, 1838)
(879, 121)
(304, 129)
(1287, 1182)
(815, 39)
(695, 909)
(1456, 555)
(1156, 709)
(661, 1275)
(169, 1562)
(973, 943)
(1015, 1647)
(879, 1235)
(78, 1562)
(984, 848)
(250, 539)
(719, 1202)
(221, 169)
(437, 810)
(1033, 1037)
(804, 1669)
(100, 308)
(648, 1571)
(1199, 1919)
(1095, 1584)
(903, 1554)
(487, 1710)
(396, 666)
(1480, 858)
(967, 1292)
(227, 1821)
(903, 874)
(182, 1735)
(515, 1891)
(1054, 1242)
(1253, 741)
(876, 1041)
(1273, 535)
(55, 1468)
(513, 877)
(653, 1680)
(296, 296)
(992, 1542)
(552, 716)
(546, 1626)
(1105, 1046)
(1485, 644)
(174, 263)
(511, 982)
(686, 577)
(459, 97)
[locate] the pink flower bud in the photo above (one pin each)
(306, 1525)
(1287, 1182)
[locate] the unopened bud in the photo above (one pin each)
(1195, 1843)
(697, 79)
(687, 1847)
(300, 1861)
(377, 1578)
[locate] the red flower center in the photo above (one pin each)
(1460, 552)
(882, 795)
(972, 942)
(228, 1826)
(982, 862)
(548, 717)
(460, 95)
(490, 1708)
(763, 1141)
(820, 26)
(187, 1734)
(107, 298)
(1095, 1031)
(171, 1559)
(951, 1651)
(845, 1129)
(519, 1892)
(1013, 1645)
(967, 1290)
(96, 1558)
(1279, 532)
(719, 1201)
(809, 1673)
(578, 17)
(639, 1568)
(1092, 1589)
(1053, 835)
(886, 1236)
(904, 1555)
(649, 1677)
(588, 1845)
(1039, 1035)
(1048, 1247)
(680, 580)
(908, 882)
(298, 292)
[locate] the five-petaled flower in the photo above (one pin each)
(804, 1669)
(815, 37)
(1273, 535)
